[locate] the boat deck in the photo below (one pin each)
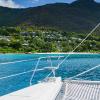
(55, 89)
(46, 90)
(79, 90)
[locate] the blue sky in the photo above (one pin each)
(30, 3)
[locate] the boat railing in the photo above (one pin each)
(51, 68)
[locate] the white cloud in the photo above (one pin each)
(10, 4)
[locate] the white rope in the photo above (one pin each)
(13, 75)
(84, 72)
(80, 43)
(18, 61)
(5, 63)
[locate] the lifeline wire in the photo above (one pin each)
(85, 72)
(21, 73)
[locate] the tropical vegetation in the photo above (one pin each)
(45, 39)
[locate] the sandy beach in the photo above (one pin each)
(55, 53)
(67, 53)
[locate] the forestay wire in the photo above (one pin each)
(79, 44)
(76, 48)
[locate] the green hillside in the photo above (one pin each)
(56, 27)
(79, 16)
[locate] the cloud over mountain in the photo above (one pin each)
(10, 4)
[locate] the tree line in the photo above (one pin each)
(44, 39)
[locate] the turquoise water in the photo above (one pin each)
(75, 64)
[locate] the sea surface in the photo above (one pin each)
(12, 64)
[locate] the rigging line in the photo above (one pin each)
(5, 63)
(34, 71)
(18, 61)
(20, 73)
(84, 72)
(80, 43)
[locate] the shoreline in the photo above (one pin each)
(67, 53)
(55, 53)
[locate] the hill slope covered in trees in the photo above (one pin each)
(79, 16)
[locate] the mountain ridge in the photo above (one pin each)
(74, 17)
